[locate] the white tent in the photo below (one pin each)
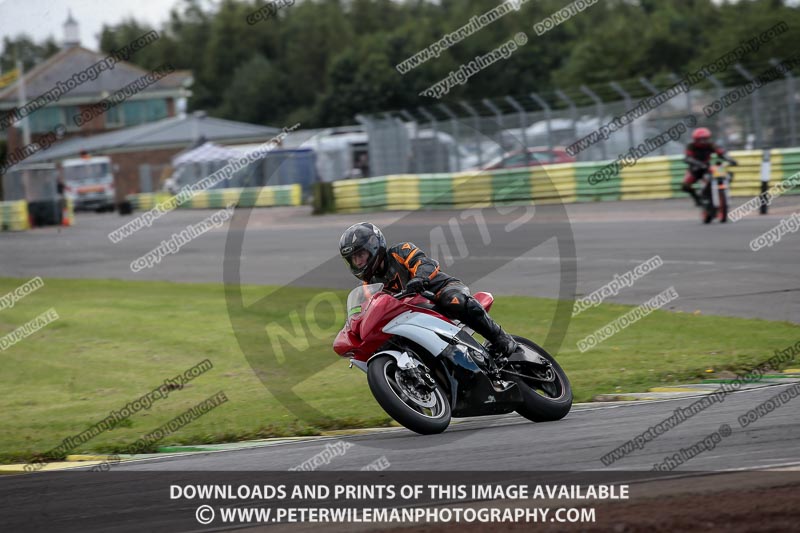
(195, 164)
(204, 153)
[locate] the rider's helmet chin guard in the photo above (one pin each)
(368, 237)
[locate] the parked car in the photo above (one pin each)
(534, 157)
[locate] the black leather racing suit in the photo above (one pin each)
(405, 261)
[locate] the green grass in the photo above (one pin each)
(117, 340)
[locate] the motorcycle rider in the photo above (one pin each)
(404, 267)
(698, 157)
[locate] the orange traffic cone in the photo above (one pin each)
(66, 213)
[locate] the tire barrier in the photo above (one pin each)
(649, 178)
(279, 195)
(14, 216)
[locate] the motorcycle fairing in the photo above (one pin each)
(470, 391)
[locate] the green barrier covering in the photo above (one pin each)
(605, 189)
(789, 166)
(649, 178)
(435, 190)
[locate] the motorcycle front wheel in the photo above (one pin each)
(397, 393)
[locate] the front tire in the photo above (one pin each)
(723, 207)
(426, 415)
(543, 401)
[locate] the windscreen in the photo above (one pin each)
(89, 173)
(359, 298)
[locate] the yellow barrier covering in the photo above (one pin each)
(472, 190)
(648, 179)
(200, 200)
(296, 195)
(402, 191)
(747, 175)
(266, 197)
(231, 195)
(14, 216)
(553, 183)
(346, 196)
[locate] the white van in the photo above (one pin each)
(90, 182)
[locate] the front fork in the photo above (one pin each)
(407, 364)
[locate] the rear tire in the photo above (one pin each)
(723, 207)
(553, 400)
(381, 376)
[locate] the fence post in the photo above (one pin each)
(766, 168)
(409, 117)
(547, 116)
(435, 127)
(497, 113)
(790, 103)
(456, 136)
(647, 84)
(598, 103)
(754, 107)
(476, 127)
(628, 106)
(573, 111)
(720, 125)
(675, 78)
(522, 125)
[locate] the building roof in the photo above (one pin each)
(174, 132)
(206, 152)
(69, 61)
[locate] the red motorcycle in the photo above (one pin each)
(424, 368)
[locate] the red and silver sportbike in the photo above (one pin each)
(424, 368)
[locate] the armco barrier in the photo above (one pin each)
(279, 195)
(650, 178)
(14, 216)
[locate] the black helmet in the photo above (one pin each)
(363, 236)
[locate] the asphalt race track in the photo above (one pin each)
(711, 267)
(577, 442)
(134, 496)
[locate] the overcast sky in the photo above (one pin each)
(43, 18)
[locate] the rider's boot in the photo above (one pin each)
(501, 344)
(690, 190)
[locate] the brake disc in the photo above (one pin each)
(413, 394)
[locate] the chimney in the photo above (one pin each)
(71, 32)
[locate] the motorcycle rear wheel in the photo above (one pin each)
(544, 401)
(427, 416)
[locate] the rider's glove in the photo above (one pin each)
(415, 285)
